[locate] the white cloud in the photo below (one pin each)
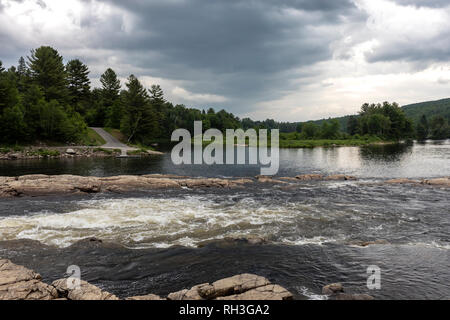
(186, 95)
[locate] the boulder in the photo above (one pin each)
(332, 289)
(20, 283)
(240, 287)
(308, 177)
(444, 182)
(269, 292)
(191, 294)
(85, 291)
(233, 285)
(71, 152)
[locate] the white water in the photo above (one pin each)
(141, 222)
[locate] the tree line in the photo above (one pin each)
(44, 99)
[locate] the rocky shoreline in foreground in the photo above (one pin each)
(20, 283)
(42, 185)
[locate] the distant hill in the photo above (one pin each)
(412, 111)
(429, 109)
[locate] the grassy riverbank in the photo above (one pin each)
(287, 142)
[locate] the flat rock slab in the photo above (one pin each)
(240, 287)
(20, 283)
(85, 291)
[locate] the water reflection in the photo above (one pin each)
(412, 160)
(386, 152)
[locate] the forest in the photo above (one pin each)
(44, 99)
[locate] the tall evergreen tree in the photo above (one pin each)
(110, 86)
(140, 121)
(47, 70)
(78, 81)
(156, 94)
(23, 75)
(22, 67)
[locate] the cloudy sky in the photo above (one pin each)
(290, 60)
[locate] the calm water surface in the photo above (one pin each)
(419, 160)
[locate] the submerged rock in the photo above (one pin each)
(336, 292)
(368, 243)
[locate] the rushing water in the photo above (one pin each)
(175, 239)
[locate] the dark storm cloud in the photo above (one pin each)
(237, 48)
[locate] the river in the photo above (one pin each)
(171, 240)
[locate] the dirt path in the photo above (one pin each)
(113, 143)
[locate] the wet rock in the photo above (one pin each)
(40, 185)
(332, 289)
(149, 297)
(443, 182)
(240, 287)
(269, 292)
(402, 181)
(368, 243)
(346, 296)
(85, 291)
(20, 283)
(233, 285)
(340, 177)
(309, 177)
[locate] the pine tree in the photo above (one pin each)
(22, 67)
(156, 94)
(78, 81)
(110, 86)
(47, 70)
(23, 75)
(135, 101)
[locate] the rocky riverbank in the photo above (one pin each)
(41, 185)
(20, 283)
(30, 153)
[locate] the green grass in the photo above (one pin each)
(288, 142)
(326, 143)
(92, 138)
